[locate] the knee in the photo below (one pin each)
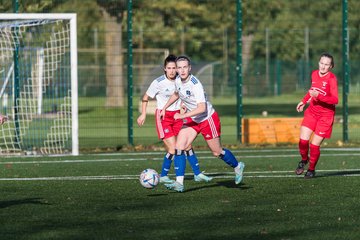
(180, 147)
(216, 153)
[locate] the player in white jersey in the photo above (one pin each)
(168, 128)
(205, 120)
(191, 93)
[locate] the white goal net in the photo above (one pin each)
(38, 80)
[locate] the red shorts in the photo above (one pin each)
(321, 124)
(210, 128)
(167, 127)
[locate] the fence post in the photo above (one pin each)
(345, 57)
(130, 73)
(239, 70)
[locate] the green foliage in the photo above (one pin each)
(196, 27)
(115, 8)
(88, 18)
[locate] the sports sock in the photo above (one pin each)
(191, 157)
(180, 164)
(229, 158)
(166, 164)
(314, 156)
(304, 149)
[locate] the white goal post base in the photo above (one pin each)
(39, 84)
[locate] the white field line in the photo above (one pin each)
(256, 174)
(234, 151)
(160, 158)
(206, 152)
(217, 175)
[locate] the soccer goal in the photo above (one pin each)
(38, 94)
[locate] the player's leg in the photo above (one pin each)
(192, 158)
(185, 137)
(228, 157)
(305, 134)
(168, 159)
(211, 131)
(323, 130)
(190, 153)
(314, 155)
(307, 128)
(164, 131)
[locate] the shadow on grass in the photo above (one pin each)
(226, 183)
(231, 184)
(157, 195)
(340, 173)
(5, 204)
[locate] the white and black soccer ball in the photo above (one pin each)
(149, 178)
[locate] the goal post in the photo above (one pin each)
(39, 84)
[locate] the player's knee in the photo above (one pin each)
(171, 151)
(216, 153)
(180, 147)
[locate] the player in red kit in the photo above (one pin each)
(319, 116)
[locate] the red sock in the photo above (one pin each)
(314, 156)
(304, 149)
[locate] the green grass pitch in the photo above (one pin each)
(100, 197)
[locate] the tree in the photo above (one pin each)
(114, 12)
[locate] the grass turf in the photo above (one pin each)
(99, 197)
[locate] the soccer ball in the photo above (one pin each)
(149, 178)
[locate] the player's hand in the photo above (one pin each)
(179, 116)
(183, 109)
(2, 119)
(141, 120)
(162, 114)
(300, 107)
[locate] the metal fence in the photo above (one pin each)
(277, 61)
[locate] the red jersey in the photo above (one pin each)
(328, 93)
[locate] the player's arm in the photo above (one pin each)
(144, 102)
(300, 106)
(151, 92)
(302, 103)
(200, 108)
(171, 100)
(199, 94)
(331, 98)
(183, 108)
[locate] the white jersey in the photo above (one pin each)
(191, 93)
(162, 88)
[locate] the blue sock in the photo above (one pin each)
(228, 158)
(191, 157)
(180, 163)
(166, 164)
